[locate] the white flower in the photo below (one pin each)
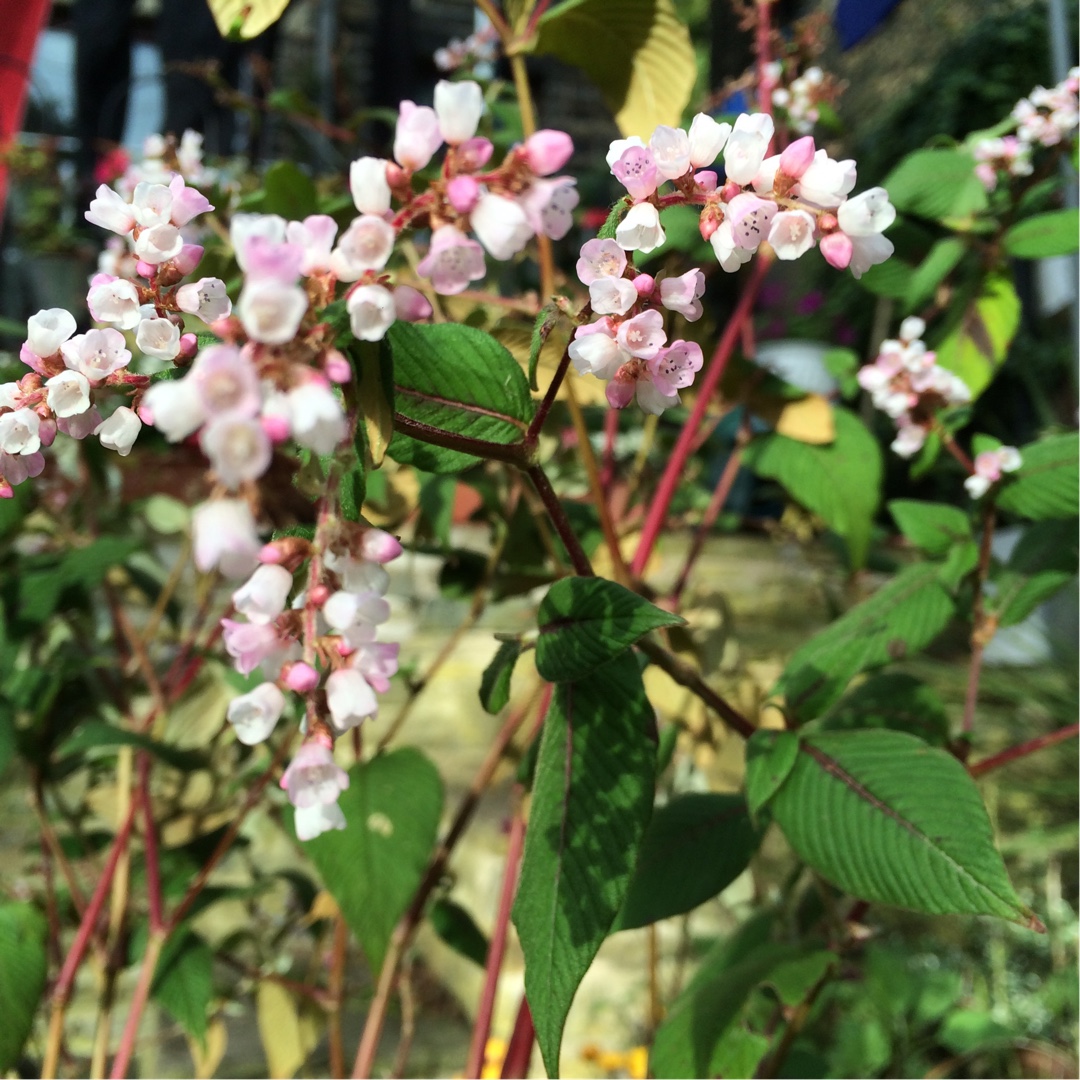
(826, 182)
(270, 311)
(417, 135)
(619, 147)
(600, 258)
(97, 353)
(238, 448)
(312, 777)
(315, 234)
(316, 418)
(261, 598)
(365, 245)
(369, 186)
(19, 432)
(792, 233)
(115, 302)
(912, 328)
(868, 213)
(500, 225)
(120, 431)
(110, 211)
(597, 354)
(225, 537)
(254, 714)
(707, 139)
(640, 230)
(68, 394)
(730, 255)
(175, 406)
(371, 312)
(458, 106)
(312, 821)
(158, 337)
(612, 295)
(244, 226)
(159, 243)
(349, 698)
(48, 330)
(152, 204)
(867, 251)
(747, 146)
(205, 298)
(670, 148)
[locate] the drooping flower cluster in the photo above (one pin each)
(907, 384)
(1044, 118)
(322, 646)
(990, 465)
(797, 102)
(481, 47)
(793, 200)
(627, 346)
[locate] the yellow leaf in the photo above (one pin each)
(285, 1037)
(324, 906)
(808, 419)
(207, 1059)
(372, 395)
(637, 52)
(244, 19)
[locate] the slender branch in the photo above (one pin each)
(482, 1027)
(519, 1052)
(982, 629)
(673, 472)
(336, 987)
(953, 447)
(138, 1003)
(408, 1021)
(153, 874)
(552, 391)
(686, 676)
(407, 924)
(494, 16)
(511, 453)
(763, 54)
(578, 559)
(1022, 750)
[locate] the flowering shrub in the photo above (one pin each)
(297, 353)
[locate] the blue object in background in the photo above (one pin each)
(855, 19)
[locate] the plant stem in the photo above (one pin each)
(494, 16)
(519, 1052)
(138, 1003)
(407, 924)
(407, 999)
(673, 472)
(153, 874)
(982, 629)
(482, 1027)
(336, 986)
(578, 559)
(762, 36)
(686, 676)
(542, 410)
(1022, 750)
(953, 447)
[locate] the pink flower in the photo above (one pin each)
(500, 225)
(254, 715)
(410, 304)
(612, 295)
(825, 182)
(643, 335)
(238, 448)
(458, 106)
(369, 186)
(187, 203)
(226, 383)
(673, 368)
(636, 170)
(365, 245)
(225, 538)
(797, 157)
(417, 136)
(750, 218)
(547, 151)
(205, 298)
(249, 644)
(792, 233)
(989, 466)
(244, 226)
(728, 252)
(594, 350)
(379, 546)
(312, 778)
(600, 258)
(377, 662)
(462, 193)
(350, 699)
(837, 249)
(110, 211)
(452, 261)
(682, 294)
(271, 260)
(96, 354)
(315, 236)
(474, 154)
(81, 425)
(549, 204)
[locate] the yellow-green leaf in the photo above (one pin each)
(245, 19)
(638, 52)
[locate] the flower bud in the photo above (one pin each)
(462, 193)
(797, 156)
(300, 677)
(547, 151)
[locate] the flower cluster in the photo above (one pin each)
(797, 103)
(907, 384)
(793, 200)
(989, 467)
(626, 346)
(478, 48)
(321, 647)
(1005, 155)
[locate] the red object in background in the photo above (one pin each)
(22, 21)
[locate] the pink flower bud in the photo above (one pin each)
(706, 180)
(189, 346)
(827, 223)
(320, 594)
(395, 175)
(276, 428)
(729, 191)
(837, 249)
(797, 156)
(547, 151)
(379, 546)
(474, 154)
(189, 257)
(708, 223)
(462, 193)
(337, 367)
(47, 432)
(271, 554)
(620, 391)
(6, 490)
(300, 677)
(410, 304)
(644, 284)
(145, 269)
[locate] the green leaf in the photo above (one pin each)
(694, 848)
(9, 744)
(183, 982)
(682, 235)
(1045, 486)
(959, 561)
(941, 260)
(891, 278)
(93, 734)
(979, 344)
(584, 622)
(1043, 561)
(839, 482)
(437, 494)
(770, 756)
(901, 618)
(542, 327)
(290, 192)
(934, 527)
(23, 970)
(373, 866)
(495, 683)
(619, 209)
(592, 797)
(374, 391)
(1041, 235)
(461, 380)
(889, 819)
(936, 184)
(893, 700)
(793, 980)
(459, 930)
(637, 52)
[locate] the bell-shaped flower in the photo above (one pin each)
(377, 662)
(637, 171)
(68, 394)
(159, 338)
(316, 417)
(452, 261)
(151, 204)
(867, 251)
(238, 448)
(205, 298)
(350, 699)
(379, 546)
(80, 425)
(909, 440)
(458, 106)
(500, 225)
(670, 149)
(549, 206)
(683, 294)
(825, 182)
(706, 138)
(225, 537)
(20, 432)
(729, 253)
(410, 304)
(750, 218)
(365, 245)
(417, 136)
(97, 353)
(618, 147)
(158, 244)
(747, 146)
(243, 226)
(594, 350)
(312, 778)
(371, 312)
(261, 598)
(120, 431)
(867, 213)
(642, 336)
(792, 233)
(368, 184)
(271, 312)
(255, 714)
(226, 382)
(600, 258)
(249, 644)
(797, 157)
(673, 369)
(48, 330)
(110, 211)
(612, 295)
(115, 301)
(187, 203)
(312, 821)
(272, 260)
(640, 230)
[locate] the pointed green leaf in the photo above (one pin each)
(901, 618)
(637, 52)
(893, 700)
(184, 983)
(542, 327)
(1046, 484)
(937, 183)
(959, 561)
(940, 261)
(1043, 561)
(23, 969)
(495, 683)
(459, 930)
(584, 622)
(1042, 235)
(373, 866)
(770, 756)
(887, 818)
(461, 380)
(695, 847)
(934, 527)
(288, 191)
(592, 797)
(93, 734)
(840, 482)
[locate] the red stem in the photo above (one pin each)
(611, 429)
(673, 473)
(518, 1053)
(763, 53)
(482, 1027)
(153, 874)
(1014, 753)
(561, 523)
(139, 998)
